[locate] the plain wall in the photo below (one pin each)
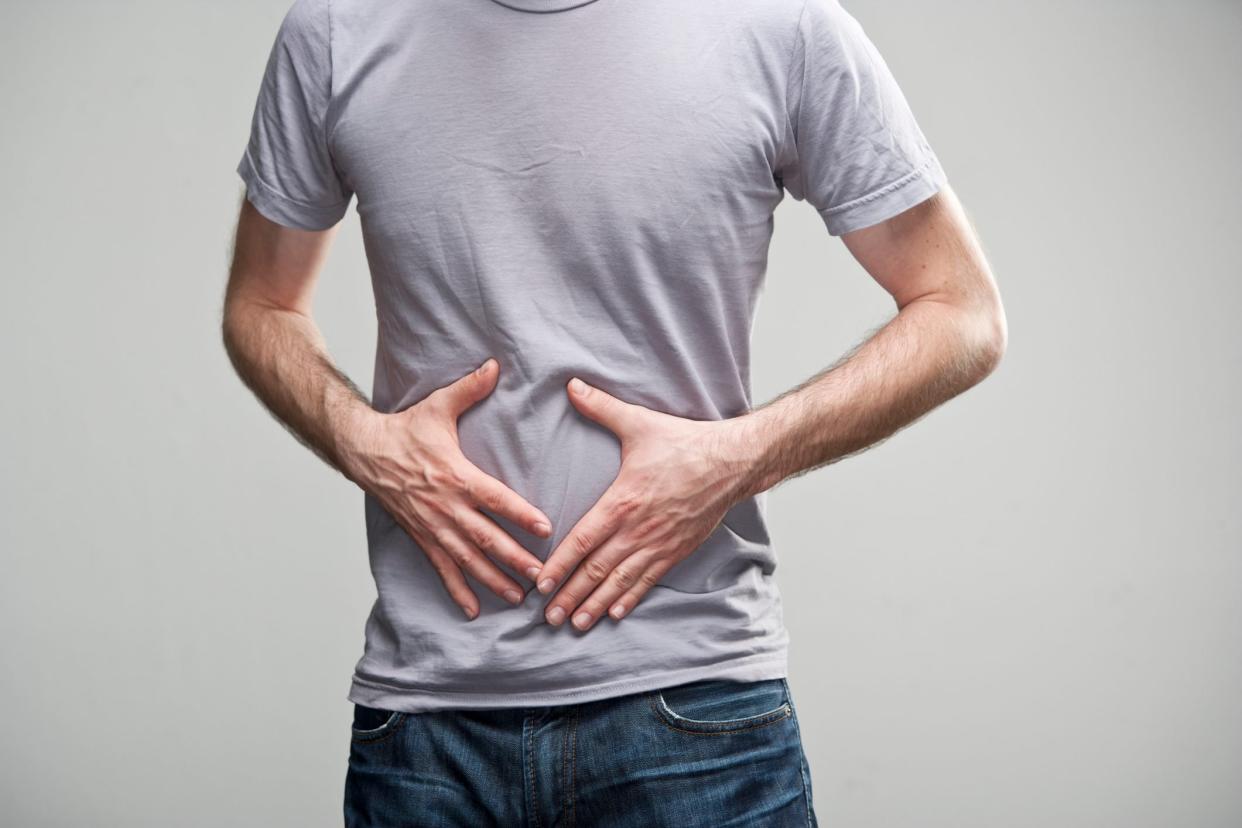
(1025, 610)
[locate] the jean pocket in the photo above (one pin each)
(372, 724)
(718, 706)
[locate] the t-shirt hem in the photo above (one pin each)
(384, 696)
(282, 209)
(895, 197)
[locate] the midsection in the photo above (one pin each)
(595, 203)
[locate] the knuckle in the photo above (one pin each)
(649, 578)
(626, 503)
(582, 543)
(492, 498)
(481, 537)
(443, 477)
(456, 480)
(623, 576)
(595, 569)
(436, 478)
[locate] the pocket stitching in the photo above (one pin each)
(669, 718)
(379, 734)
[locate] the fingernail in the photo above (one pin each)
(469, 612)
(513, 596)
(582, 620)
(577, 386)
(545, 586)
(486, 364)
(532, 573)
(618, 611)
(556, 616)
(542, 528)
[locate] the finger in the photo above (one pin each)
(589, 574)
(451, 575)
(617, 416)
(471, 560)
(591, 530)
(621, 577)
(468, 390)
(645, 581)
(496, 543)
(495, 496)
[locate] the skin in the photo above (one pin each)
(678, 477)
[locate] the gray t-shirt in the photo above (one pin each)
(575, 189)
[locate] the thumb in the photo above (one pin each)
(600, 406)
(465, 392)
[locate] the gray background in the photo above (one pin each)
(1023, 611)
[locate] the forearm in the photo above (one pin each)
(928, 353)
(281, 356)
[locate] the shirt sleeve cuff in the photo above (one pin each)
(896, 197)
(283, 210)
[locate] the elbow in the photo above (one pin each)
(238, 316)
(990, 337)
(230, 327)
(230, 322)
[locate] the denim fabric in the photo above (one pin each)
(712, 753)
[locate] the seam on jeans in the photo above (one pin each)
(365, 732)
(785, 709)
(674, 715)
(806, 794)
(564, 768)
(388, 729)
(573, 772)
(803, 770)
(534, 794)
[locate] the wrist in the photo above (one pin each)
(749, 454)
(360, 437)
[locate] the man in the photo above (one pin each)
(566, 208)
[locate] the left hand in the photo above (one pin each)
(677, 479)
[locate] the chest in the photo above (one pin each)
(603, 127)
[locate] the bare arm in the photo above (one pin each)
(679, 477)
(276, 347)
(410, 460)
(949, 333)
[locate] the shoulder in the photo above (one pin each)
(765, 28)
(775, 18)
(306, 18)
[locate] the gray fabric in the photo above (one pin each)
(584, 192)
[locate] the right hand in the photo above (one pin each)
(412, 463)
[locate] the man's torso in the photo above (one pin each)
(580, 193)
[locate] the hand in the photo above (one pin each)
(677, 479)
(412, 463)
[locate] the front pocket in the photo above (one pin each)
(716, 706)
(371, 723)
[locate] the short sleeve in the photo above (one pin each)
(287, 167)
(855, 151)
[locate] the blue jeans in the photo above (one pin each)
(712, 753)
